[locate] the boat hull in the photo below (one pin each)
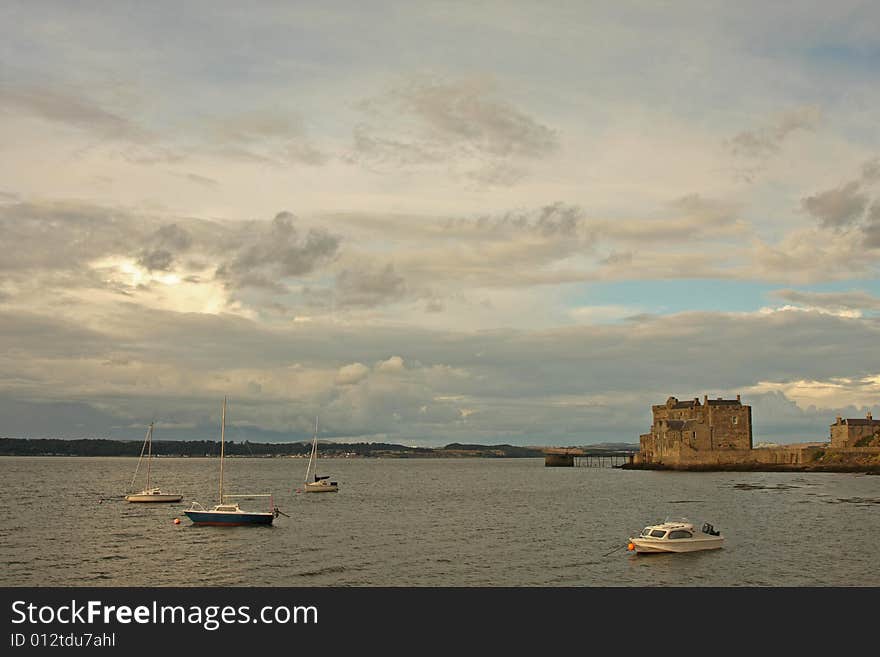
(227, 519)
(657, 546)
(321, 488)
(151, 498)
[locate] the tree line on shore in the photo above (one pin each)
(196, 448)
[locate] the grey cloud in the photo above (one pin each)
(269, 252)
(201, 180)
(172, 236)
(167, 241)
(623, 259)
(55, 236)
(266, 136)
(699, 208)
(434, 306)
(871, 229)
(767, 140)
(369, 286)
(837, 207)
(64, 239)
(855, 300)
(558, 219)
(513, 382)
(460, 124)
(501, 174)
(871, 170)
(49, 337)
(372, 149)
(465, 111)
(157, 260)
(71, 109)
(553, 220)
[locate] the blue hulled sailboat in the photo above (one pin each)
(228, 514)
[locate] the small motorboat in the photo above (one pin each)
(675, 536)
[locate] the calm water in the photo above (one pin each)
(432, 522)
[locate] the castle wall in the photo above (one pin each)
(772, 456)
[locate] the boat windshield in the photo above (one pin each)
(646, 532)
(658, 533)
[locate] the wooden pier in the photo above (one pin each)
(603, 460)
(569, 457)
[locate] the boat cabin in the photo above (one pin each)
(675, 530)
(668, 530)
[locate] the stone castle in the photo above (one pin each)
(718, 432)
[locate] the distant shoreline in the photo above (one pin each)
(246, 449)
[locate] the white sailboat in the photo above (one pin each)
(229, 514)
(149, 494)
(320, 484)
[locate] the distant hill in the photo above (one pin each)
(504, 451)
(623, 447)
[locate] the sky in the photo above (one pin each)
(434, 222)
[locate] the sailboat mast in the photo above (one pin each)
(315, 448)
(312, 453)
(222, 443)
(140, 458)
(149, 453)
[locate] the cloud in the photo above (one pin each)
(71, 109)
(351, 374)
(760, 143)
(465, 112)
(134, 360)
(369, 286)
(871, 170)
(835, 301)
(812, 255)
(268, 253)
(850, 206)
(205, 181)
(460, 124)
(837, 207)
(264, 136)
(167, 241)
(871, 229)
(393, 365)
(65, 235)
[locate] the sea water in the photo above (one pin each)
(430, 522)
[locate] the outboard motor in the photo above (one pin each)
(709, 529)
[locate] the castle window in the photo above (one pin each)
(735, 419)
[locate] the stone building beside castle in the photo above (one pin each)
(858, 432)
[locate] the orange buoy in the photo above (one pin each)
(177, 521)
(630, 547)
